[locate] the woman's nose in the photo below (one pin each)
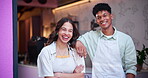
(66, 32)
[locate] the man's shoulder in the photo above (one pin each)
(123, 35)
(92, 33)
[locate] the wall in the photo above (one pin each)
(130, 16)
(6, 39)
(48, 18)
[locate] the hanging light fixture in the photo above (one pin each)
(70, 5)
(27, 1)
(42, 1)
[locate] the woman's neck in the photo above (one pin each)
(61, 50)
(60, 45)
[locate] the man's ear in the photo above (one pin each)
(112, 17)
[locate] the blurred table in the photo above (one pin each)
(142, 74)
(28, 71)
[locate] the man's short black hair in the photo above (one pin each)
(101, 6)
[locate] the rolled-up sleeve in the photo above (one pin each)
(84, 39)
(89, 40)
(130, 57)
(44, 64)
(79, 60)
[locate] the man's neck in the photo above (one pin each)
(108, 31)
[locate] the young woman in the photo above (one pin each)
(59, 58)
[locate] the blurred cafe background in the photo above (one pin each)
(37, 19)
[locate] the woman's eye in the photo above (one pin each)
(63, 29)
(70, 30)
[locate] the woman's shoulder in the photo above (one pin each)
(50, 46)
(49, 49)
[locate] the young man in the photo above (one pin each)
(112, 52)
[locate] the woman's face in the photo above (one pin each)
(65, 33)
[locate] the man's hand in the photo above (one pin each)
(129, 75)
(78, 69)
(81, 49)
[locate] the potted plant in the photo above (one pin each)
(141, 57)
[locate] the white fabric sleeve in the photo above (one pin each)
(79, 60)
(130, 57)
(44, 64)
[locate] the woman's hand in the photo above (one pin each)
(58, 75)
(81, 50)
(78, 69)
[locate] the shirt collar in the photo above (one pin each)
(53, 44)
(114, 36)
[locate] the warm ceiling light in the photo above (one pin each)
(69, 5)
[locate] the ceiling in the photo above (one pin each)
(44, 3)
(30, 5)
(64, 2)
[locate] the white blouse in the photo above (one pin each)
(47, 62)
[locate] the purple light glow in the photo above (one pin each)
(6, 39)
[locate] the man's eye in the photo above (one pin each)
(98, 17)
(105, 15)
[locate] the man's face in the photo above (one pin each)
(104, 19)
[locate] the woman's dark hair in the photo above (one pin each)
(100, 7)
(53, 36)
